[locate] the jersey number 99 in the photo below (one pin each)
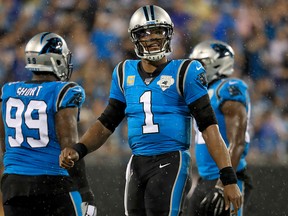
(23, 117)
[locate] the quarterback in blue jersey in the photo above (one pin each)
(158, 97)
(231, 103)
(38, 119)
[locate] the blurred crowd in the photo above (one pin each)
(96, 33)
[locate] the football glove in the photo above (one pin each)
(213, 204)
(88, 210)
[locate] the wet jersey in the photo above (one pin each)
(28, 111)
(158, 117)
(220, 91)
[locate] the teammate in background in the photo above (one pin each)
(231, 104)
(38, 119)
(157, 96)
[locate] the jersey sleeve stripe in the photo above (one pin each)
(62, 93)
(1, 93)
(219, 88)
(120, 74)
(182, 76)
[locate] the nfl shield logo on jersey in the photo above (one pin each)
(165, 82)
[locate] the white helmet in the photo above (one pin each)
(216, 56)
(147, 18)
(48, 53)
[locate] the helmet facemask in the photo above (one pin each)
(144, 47)
(63, 68)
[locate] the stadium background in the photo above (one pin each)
(96, 32)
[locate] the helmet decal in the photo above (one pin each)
(151, 11)
(222, 50)
(53, 45)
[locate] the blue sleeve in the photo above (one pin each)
(73, 97)
(233, 90)
(115, 89)
(195, 82)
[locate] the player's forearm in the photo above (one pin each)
(236, 117)
(216, 146)
(95, 136)
(236, 137)
(236, 150)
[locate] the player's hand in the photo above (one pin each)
(67, 158)
(213, 203)
(233, 195)
(88, 210)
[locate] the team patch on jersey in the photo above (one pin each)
(203, 79)
(165, 82)
(234, 90)
(130, 80)
(76, 99)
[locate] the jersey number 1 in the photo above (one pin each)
(149, 126)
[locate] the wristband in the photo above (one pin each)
(81, 149)
(228, 176)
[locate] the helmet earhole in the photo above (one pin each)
(58, 62)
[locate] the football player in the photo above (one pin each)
(158, 97)
(231, 103)
(38, 119)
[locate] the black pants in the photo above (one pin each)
(40, 205)
(157, 185)
(39, 196)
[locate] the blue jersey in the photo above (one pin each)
(158, 117)
(28, 112)
(219, 92)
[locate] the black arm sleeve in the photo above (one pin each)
(78, 174)
(113, 114)
(203, 112)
